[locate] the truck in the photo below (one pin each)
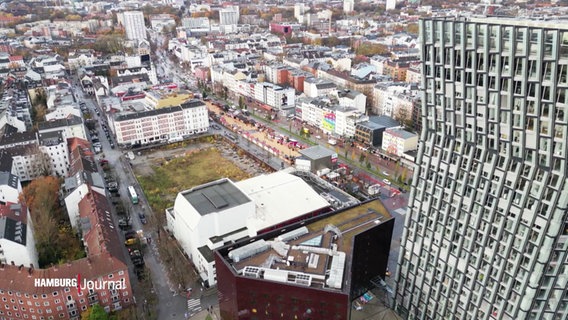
(332, 142)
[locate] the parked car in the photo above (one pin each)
(130, 234)
(136, 257)
(123, 223)
(131, 241)
(112, 186)
(142, 217)
(387, 182)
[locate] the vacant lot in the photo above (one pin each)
(166, 178)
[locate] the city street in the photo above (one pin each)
(168, 306)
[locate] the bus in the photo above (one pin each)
(133, 195)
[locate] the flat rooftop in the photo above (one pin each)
(313, 255)
(280, 197)
(316, 152)
(215, 196)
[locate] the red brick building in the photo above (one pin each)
(396, 69)
(66, 290)
(308, 270)
(296, 80)
(284, 29)
(282, 76)
(22, 298)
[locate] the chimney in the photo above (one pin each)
(12, 262)
(20, 267)
(31, 269)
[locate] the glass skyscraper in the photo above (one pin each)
(487, 227)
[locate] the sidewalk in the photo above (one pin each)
(202, 315)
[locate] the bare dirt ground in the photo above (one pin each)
(143, 163)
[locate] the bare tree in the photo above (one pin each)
(40, 162)
(403, 115)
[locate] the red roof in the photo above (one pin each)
(75, 142)
(16, 58)
(102, 236)
(7, 211)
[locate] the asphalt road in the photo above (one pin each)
(169, 306)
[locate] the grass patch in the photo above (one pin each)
(185, 172)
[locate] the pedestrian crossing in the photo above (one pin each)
(193, 305)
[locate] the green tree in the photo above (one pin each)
(412, 28)
(371, 49)
(362, 157)
(96, 312)
(241, 102)
(331, 41)
(56, 241)
(109, 44)
(403, 175)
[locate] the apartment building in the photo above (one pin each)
(486, 233)
(81, 58)
(84, 177)
(398, 141)
(161, 21)
(329, 117)
(133, 22)
(196, 25)
(102, 277)
(396, 69)
(163, 124)
(17, 243)
(70, 127)
(54, 157)
(229, 16)
(277, 97)
(315, 87)
(353, 99)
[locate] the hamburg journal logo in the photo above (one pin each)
(79, 283)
